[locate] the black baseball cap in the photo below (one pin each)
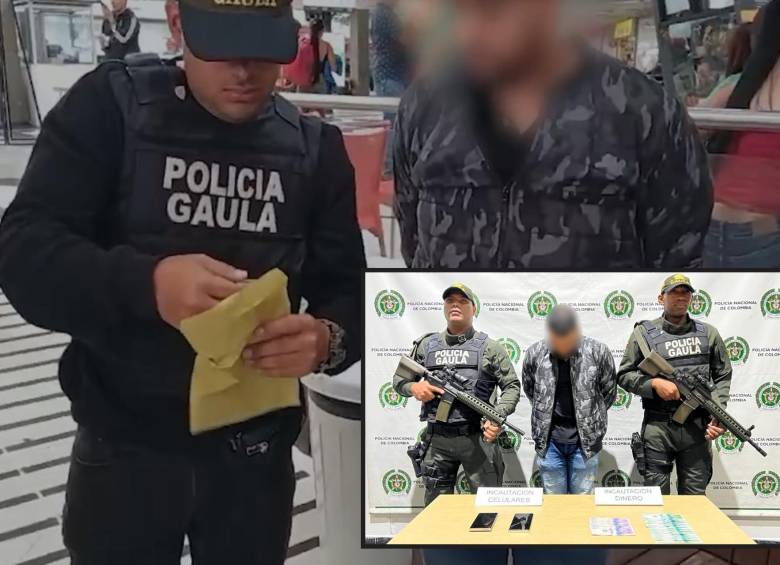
(217, 30)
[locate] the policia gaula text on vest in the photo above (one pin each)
(695, 349)
(466, 438)
(154, 192)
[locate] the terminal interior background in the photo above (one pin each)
(48, 44)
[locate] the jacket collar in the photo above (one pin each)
(453, 339)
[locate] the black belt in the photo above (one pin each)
(453, 430)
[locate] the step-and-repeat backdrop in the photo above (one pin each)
(745, 308)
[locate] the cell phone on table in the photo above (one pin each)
(483, 522)
(521, 523)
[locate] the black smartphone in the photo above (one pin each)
(521, 522)
(483, 522)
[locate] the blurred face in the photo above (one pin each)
(458, 311)
(499, 39)
(118, 5)
(234, 91)
(676, 301)
(564, 345)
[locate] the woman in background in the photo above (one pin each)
(324, 62)
(745, 232)
(739, 49)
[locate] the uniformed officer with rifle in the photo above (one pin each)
(154, 192)
(695, 349)
(466, 438)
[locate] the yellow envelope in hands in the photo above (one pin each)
(223, 390)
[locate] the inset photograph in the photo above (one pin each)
(594, 408)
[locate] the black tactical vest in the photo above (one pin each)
(193, 184)
(690, 352)
(466, 359)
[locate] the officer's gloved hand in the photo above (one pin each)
(187, 285)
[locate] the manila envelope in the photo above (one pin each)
(223, 390)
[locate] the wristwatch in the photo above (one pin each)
(337, 348)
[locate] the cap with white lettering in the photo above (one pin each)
(217, 30)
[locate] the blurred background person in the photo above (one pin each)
(120, 30)
(739, 50)
(745, 232)
(390, 61)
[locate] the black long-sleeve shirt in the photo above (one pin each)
(59, 275)
(122, 35)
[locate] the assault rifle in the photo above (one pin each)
(453, 386)
(695, 390)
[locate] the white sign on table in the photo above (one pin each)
(629, 496)
(488, 496)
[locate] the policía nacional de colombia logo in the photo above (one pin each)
(541, 304)
(536, 479)
(701, 304)
(616, 478)
(389, 304)
(768, 396)
(622, 399)
(770, 303)
(508, 441)
(513, 349)
(766, 484)
(462, 485)
(738, 350)
(619, 305)
(728, 444)
(390, 399)
(397, 482)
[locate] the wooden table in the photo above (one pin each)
(561, 520)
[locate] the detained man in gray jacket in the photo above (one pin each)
(571, 383)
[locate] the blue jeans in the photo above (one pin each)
(564, 470)
(737, 246)
(389, 87)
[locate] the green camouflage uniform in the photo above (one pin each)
(666, 442)
(447, 451)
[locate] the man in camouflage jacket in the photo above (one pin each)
(571, 383)
(539, 152)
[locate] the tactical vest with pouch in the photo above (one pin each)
(466, 359)
(689, 352)
(193, 184)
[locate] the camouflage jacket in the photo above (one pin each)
(594, 386)
(615, 177)
(635, 381)
(496, 366)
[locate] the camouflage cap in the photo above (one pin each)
(676, 280)
(462, 289)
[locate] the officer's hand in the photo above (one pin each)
(490, 431)
(714, 430)
(292, 346)
(425, 391)
(186, 285)
(667, 390)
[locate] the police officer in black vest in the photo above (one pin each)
(153, 193)
(689, 345)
